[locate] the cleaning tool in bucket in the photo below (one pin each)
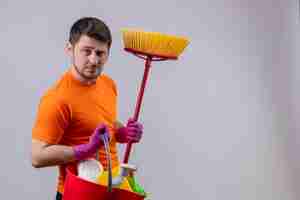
(150, 46)
(119, 177)
(90, 170)
(135, 186)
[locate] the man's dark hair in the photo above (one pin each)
(92, 27)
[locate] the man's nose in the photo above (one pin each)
(94, 59)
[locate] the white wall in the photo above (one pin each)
(220, 123)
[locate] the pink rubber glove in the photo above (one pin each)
(132, 132)
(84, 151)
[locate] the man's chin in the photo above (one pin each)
(92, 76)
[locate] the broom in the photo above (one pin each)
(150, 46)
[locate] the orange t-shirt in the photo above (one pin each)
(69, 112)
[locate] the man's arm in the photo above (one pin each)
(45, 155)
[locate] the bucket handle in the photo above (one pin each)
(105, 139)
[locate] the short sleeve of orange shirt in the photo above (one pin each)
(52, 119)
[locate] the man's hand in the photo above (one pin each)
(132, 132)
(86, 150)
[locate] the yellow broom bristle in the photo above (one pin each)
(154, 43)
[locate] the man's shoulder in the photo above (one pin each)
(56, 90)
(52, 96)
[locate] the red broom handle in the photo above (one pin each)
(139, 103)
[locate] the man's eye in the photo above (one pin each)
(99, 53)
(87, 51)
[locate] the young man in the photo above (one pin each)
(81, 106)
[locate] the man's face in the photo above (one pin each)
(88, 56)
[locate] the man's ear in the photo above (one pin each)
(69, 49)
